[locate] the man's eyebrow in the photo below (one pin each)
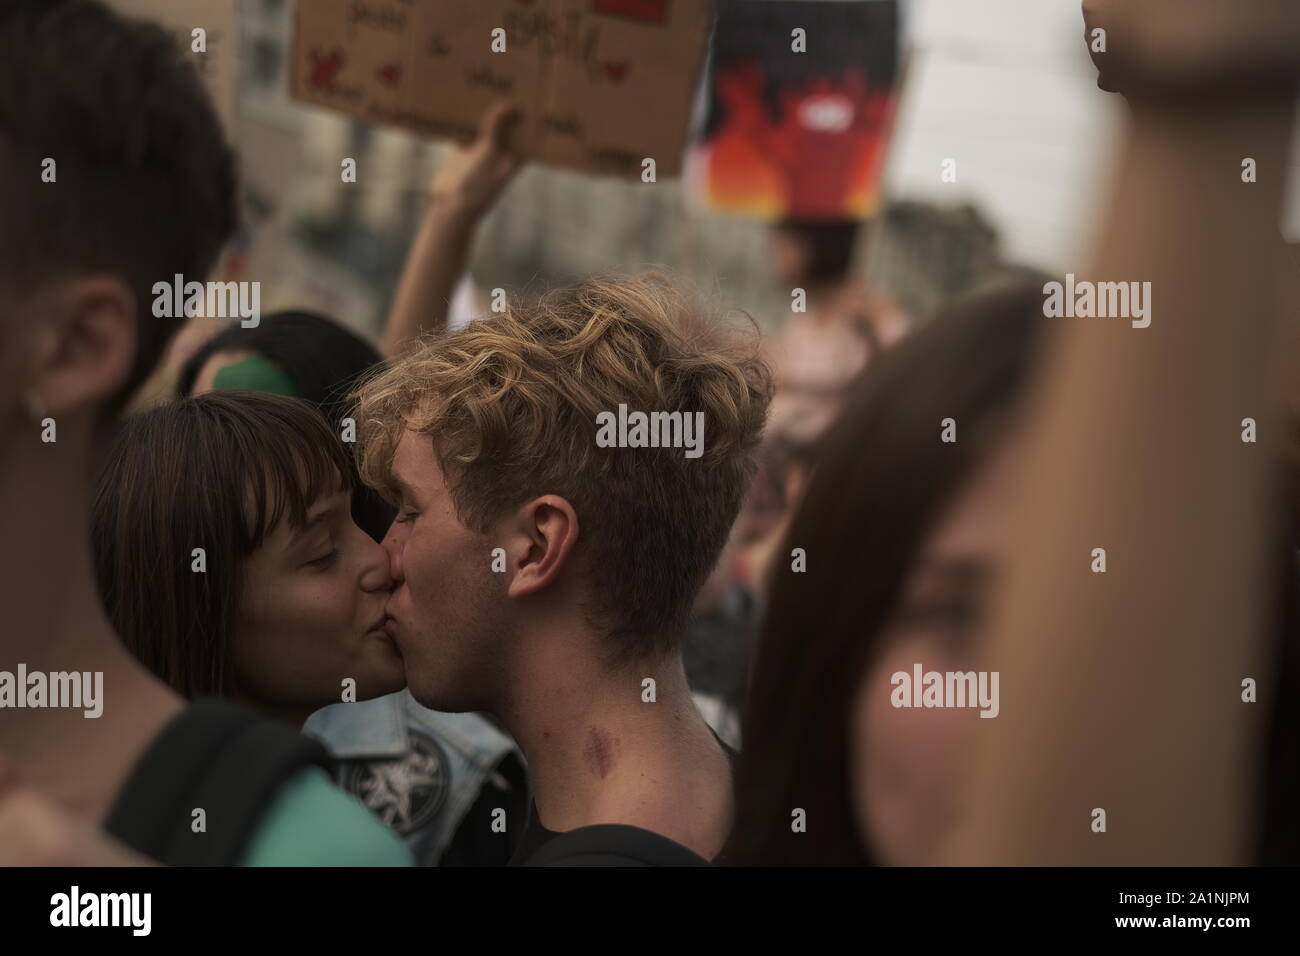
(401, 483)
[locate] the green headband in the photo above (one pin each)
(256, 374)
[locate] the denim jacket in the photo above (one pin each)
(419, 770)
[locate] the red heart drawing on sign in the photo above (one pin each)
(390, 74)
(324, 69)
(615, 71)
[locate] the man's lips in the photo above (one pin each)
(390, 619)
(390, 625)
(390, 635)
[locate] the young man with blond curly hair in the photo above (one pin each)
(545, 564)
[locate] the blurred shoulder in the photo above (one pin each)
(311, 822)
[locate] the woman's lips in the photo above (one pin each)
(385, 631)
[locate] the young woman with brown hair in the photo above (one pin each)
(259, 585)
(1122, 687)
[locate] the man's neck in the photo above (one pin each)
(605, 746)
(55, 623)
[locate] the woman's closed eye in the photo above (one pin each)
(324, 560)
(950, 598)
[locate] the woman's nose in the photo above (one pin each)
(376, 574)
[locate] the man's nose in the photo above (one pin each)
(392, 544)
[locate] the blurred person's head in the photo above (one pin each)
(926, 254)
(487, 439)
(785, 462)
(812, 253)
(902, 534)
(791, 454)
(301, 354)
(286, 600)
(114, 175)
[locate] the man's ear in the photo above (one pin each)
(86, 345)
(541, 536)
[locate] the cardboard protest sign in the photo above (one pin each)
(218, 61)
(800, 100)
(603, 84)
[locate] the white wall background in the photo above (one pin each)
(1005, 87)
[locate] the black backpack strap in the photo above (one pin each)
(217, 756)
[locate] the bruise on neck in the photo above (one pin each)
(600, 753)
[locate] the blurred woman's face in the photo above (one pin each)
(312, 616)
(907, 762)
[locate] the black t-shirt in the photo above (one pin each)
(605, 844)
(475, 843)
